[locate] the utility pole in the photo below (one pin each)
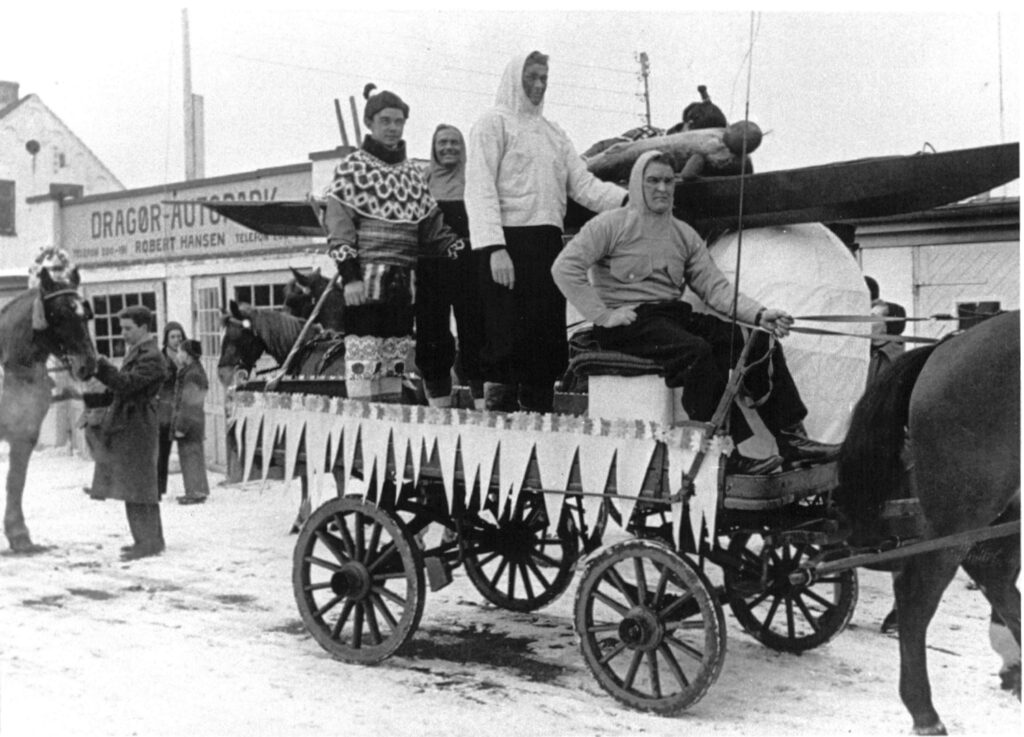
(194, 134)
(645, 70)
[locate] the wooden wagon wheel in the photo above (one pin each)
(522, 562)
(650, 628)
(782, 615)
(358, 580)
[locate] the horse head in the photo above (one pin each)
(61, 317)
(240, 346)
(305, 290)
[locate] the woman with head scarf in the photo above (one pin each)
(188, 422)
(174, 334)
(443, 288)
(380, 219)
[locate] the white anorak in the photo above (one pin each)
(521, 167)
(632, 255)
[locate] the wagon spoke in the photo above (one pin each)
(386, 552)
(829, 606)
(611, 654)
(608, 627)
(357, 627)
(811, 619)
(511, 580)
(609, 601)
(685, 626)
(659, 591)
(546, 559)
(327, 607)
(371, 549)
(342, 619)
(790, 623)
(524, 574)
(621, 585)
(652, 667)
(673, 665)
(488, 559)
(634, 665)
(538, 572)
(668, 611)
(686, 648)
(334, 544)
(378, 602)
(766, 625)
(497, 573)
(389, 594)
(641, 579)
(371, 622)
(346, 536)
(333, 567)
(317, 586)
(360, 535)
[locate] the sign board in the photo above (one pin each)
(160, 224)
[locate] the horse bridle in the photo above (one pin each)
(240, 360)
(61, 351)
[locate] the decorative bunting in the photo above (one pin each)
(447, 439)
(478, 446)
(514, 453)
(632, 460)
(555, 455)
(374, 439)
(294, 425)
(251, 433)
(596, 454)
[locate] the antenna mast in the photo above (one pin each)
(645, 70)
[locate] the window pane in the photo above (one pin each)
(149, 300)
(116, 303)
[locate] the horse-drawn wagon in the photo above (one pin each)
(521, 498)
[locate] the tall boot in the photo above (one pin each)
(536, 397)
(499, 397)
(795, 446)
(147, 531)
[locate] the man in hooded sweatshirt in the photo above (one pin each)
(520, 172)
(640, 259)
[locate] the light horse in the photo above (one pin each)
(48, 320)
(959, 401)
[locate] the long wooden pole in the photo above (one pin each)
(341, 122)
(276, 378)
(355, 120)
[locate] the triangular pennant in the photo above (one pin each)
(374, 438)
(478, 446)
(271, 421)
(596, 454)
(633, 458)
(251, 434)
(350, 439)
(555, 453)
(317, 431)
(447, 439)
(294, 424)
(514, 454)
(238, 425)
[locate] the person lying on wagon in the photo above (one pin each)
(640, 259)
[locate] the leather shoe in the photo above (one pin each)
(134, 552)
(191, 499)
(737, 464)
(794, 446)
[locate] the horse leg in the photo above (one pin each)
(305, 506)
(994, 565)
(14, 516)
(918, 588)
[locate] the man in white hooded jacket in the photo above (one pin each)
(521, 169)
(626, 271)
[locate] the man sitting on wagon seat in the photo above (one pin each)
(640, 259)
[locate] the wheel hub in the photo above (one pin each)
(641, 629)
(352, 581)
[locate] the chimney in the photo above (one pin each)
(8, 93)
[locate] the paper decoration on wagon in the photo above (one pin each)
(596, 454)
(479, 445)
(633, 458)
(250, 433)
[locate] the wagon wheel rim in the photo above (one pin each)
(522, 562)
(358, 580)
(780, 614)
(649, 627)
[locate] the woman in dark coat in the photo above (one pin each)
(189, 421)
(174, 334)
(126, 467)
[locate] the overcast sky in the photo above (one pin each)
(825, 87)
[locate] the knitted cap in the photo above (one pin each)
(380, 101)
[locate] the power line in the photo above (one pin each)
(560, 83)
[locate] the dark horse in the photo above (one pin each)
(303, 292)
(959, 402)
(49, 320)
(249, 332)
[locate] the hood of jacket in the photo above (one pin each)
(447, 183)
(511, 95)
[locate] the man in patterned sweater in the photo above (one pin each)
(380, 218)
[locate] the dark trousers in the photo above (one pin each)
(193, 469)
(525, 344)
(697, 351)
(163, 457)
(145, 525)
(445, 287)
(392, 315)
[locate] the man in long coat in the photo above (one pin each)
(127, 436)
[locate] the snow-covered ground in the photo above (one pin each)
(206, 640)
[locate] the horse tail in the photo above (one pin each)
(870, 467)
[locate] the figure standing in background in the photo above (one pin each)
(174, 334)
(128, 433)
(188, 421)
(521, 170)
(444, 288)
